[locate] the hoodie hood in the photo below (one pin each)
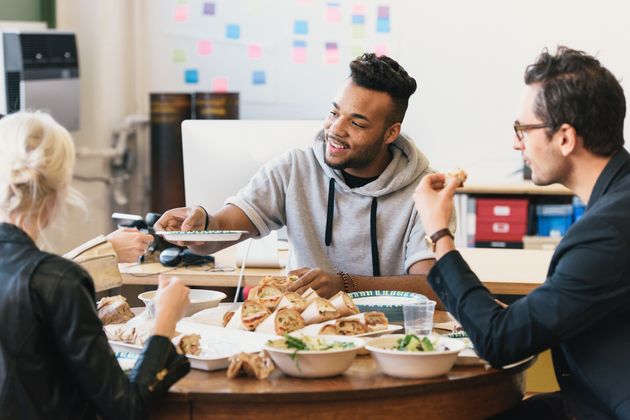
(406, 167)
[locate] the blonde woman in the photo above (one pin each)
(55, 361)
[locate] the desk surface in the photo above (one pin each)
(364, 391)
(503, 271)
(519, 188)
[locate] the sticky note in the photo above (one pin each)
(358, 19)
(208, 8)
(191, 76)
(358, 31)
(382, 25)
(220, 84)
(233, 31)
(333, 12)
(380, 49)
(358, 9)
(254, 7)
(300, 27)
(179, 56)
(205, 47)
(357, 50)
(182, 12)
(383, 12)
(254, 51)
(299, 52)
(331, 56)
(259, 77)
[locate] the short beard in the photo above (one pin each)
(354, 163)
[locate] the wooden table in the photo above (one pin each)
(363, 392)
(503, 271)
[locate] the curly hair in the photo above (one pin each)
(577, 90)
(383, 74)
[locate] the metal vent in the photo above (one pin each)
(13, 91)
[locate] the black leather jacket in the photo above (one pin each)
(55, 362)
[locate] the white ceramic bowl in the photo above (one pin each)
(408, 364)
(316, 364)
(199, 299)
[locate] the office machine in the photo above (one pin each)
(39, 70)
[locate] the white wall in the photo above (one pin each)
(104, 30)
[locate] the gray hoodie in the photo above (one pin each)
(371, 230)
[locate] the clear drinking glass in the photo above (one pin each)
(418, 316)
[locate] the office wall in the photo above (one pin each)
(468, 58)
(20, 10)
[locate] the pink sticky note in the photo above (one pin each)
(181, 12)
(254, 51)
(220, 84)
(205, 47)
(333, 14)
(331, 56)
(380, 49)
(358, 9)
(299, 55)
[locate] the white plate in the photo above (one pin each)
(217, 344)
(201, 235)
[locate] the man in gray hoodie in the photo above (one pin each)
(346, 200)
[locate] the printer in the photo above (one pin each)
(39, 70)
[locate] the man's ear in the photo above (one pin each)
(392, 133)
(568, 139)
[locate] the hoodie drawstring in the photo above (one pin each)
(329, 214)
(376, 267)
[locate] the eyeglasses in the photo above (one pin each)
(520, 129)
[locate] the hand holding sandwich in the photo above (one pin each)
(325, 284)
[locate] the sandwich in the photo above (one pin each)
(281, 322)
(344, 304)
(292, 300)
(375, 321)
(252, 314)
(319, 310)
(310, 295)
(269, 296)
(114, 310)
(188, 344)
(349, 326)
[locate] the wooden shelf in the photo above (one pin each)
(521, 188)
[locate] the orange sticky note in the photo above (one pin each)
(220, 84)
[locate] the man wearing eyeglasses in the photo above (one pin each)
(569, 131)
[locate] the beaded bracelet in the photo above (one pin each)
(347, 281)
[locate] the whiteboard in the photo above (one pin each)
(467, 57)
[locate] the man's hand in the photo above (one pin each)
(182, 219)
(434, 201)
(129, 243)
(325, 284)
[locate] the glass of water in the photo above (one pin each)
(418, 315)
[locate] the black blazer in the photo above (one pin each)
(581, 312)
(55, 362)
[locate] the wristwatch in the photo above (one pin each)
(432, 240)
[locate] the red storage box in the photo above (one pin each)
(501, 219)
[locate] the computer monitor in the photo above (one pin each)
(220, 156)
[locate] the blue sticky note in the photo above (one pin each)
(382, 25)
(299, 43)
(300, 27)
(358, 19)
(233, 31)
(191, 76)
(259, 77)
